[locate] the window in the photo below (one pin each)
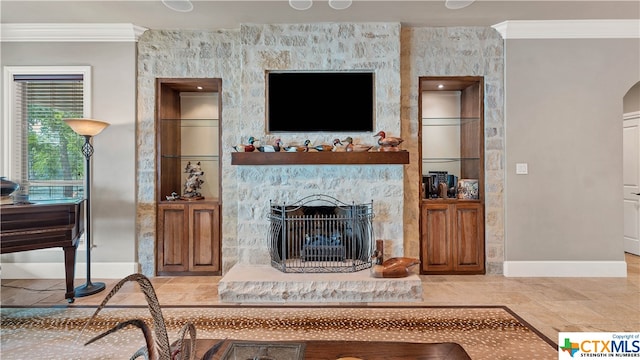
(41, 152)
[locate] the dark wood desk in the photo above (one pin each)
(44, 225)
(369, 350)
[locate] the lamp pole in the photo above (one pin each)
(89, 288)
(87, 128)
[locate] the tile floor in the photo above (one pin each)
(549, 304)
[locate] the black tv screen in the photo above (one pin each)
(320, 101)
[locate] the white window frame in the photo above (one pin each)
(9, 115)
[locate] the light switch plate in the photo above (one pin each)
(522, 168)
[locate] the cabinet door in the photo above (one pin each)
(172, 251)
(468, 234)
(436, 238)
(204, 237)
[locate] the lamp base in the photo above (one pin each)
(89, 289)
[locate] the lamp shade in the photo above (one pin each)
(86, 127)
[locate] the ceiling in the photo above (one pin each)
(213, 14)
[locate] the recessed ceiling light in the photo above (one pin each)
(178, 5)
(440, 86)
(199, 87)
(457, 4)
(301, 4)
(339, 4)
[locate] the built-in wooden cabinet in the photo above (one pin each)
(450, 237)
(188, 238)
(187, 131)
(452, 183)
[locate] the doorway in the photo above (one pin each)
(631, 170)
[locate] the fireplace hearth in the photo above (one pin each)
(320, 234)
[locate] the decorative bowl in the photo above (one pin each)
(8, 187)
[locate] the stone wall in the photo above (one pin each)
(457, 51)
(178, 54)
(240, 57)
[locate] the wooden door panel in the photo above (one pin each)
(436, 244)
(204, 237)
(173, 228)
(469, 238)
(172, 254)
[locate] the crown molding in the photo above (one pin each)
(70, 32)
(569, 29)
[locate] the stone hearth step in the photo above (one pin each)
(265, 284)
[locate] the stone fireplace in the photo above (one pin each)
(374, 47)
(252, 279)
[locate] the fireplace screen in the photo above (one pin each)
(320, 234)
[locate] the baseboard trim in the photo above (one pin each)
(56, 270)
(565, 269)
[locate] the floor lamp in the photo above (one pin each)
(87, 128)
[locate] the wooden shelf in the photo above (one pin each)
(450, 201)
(319, 158)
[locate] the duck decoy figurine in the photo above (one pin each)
(298, 148)
(271, 148)
(323, 147)
(395, 267)
(246, 148)
(338, 146)
(351, 147)
(388, 143)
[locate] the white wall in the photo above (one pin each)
(563, 111)
(113, 74)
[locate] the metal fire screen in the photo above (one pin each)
(320, 234)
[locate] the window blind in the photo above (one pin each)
(47, 152)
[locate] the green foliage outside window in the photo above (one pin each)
(54, 153)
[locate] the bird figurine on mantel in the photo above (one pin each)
(388, 143)
(338, 146)
(324, 147)
(248, 147)
(271, 148)
(298, 148)
(351, 147)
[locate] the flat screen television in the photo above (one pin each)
(318, 101)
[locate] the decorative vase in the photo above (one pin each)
(443, 190)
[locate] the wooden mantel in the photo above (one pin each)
(319, 158)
